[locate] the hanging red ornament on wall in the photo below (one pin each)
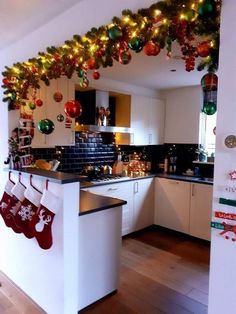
(38, 102)
(57, 96)
(46, 126)
(203, 49)
(73, 108)
(209, 82)
(91, 63)
(96, 75)
(151, 49)
(124, 57)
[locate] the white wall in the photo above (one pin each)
(223, 252)
(183, 106)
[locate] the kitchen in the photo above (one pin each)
(224, 243)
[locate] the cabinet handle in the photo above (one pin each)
(173, 182)
(149, 138)
(132, 138)
(72, 137)
(193, 189)
(136, 187)
(112, 189)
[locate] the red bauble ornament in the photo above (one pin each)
(151, 49)
(203, 49)
(209, 82)
(6, 81)
(91, 63)
(96, 75)
(38, 102)
(57, 96)
(73, 108)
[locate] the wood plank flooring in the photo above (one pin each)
(161, 272)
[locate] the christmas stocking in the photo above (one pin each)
(27, 210)
(41, 223)
(6, 198)
(14, 205)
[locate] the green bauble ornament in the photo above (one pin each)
(124, 57)
(60, 117)
(136, 44)
(115, 32)
(209, 108)
(46, 126)
(206, 7)
(32, 105)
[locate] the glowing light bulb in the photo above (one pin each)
(157, 13)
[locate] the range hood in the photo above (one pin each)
(91, 119)
(101, 128)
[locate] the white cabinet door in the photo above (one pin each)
(182, 118)
(143, 203)
(139, 120)
(200, 210)
(50, 110)
(172, 200)
(123, 191)
(156, 116)
(147, 121)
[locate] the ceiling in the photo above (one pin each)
(149, 72)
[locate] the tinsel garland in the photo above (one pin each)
(189, 23)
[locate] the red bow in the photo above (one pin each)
(228, 228)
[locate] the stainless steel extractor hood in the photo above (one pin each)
(101, 121)
(102, 128)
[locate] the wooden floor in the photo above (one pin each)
(161, 272)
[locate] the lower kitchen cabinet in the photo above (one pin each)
(172, 200)
(200, 210)
(139, 195)
(183, 206)
(143, 213)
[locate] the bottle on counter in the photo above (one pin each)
(118, 165)
(166, 165)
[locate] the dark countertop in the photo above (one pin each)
(209, 181)
(63, 177)
(192, 179)
(91, 203)
(54, 176)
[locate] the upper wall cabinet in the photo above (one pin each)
(145, 115)
(63, 133)
(182, 120)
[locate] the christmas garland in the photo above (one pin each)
(194, 25)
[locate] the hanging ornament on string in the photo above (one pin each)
(38, 102)
(151, 49)
(57, 96)
(73, 108)
(115, 32)
(206, 7)
(46, 126)
(209, 107)
(96, 75)
(204, 49)
(124, 57)
(209, 82)
(136, 44)
(32, 105)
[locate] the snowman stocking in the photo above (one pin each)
(27, 210)
(41, 223)
(14, 205)
(6, 197)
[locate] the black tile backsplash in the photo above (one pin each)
(95, 149)
(99, 149)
